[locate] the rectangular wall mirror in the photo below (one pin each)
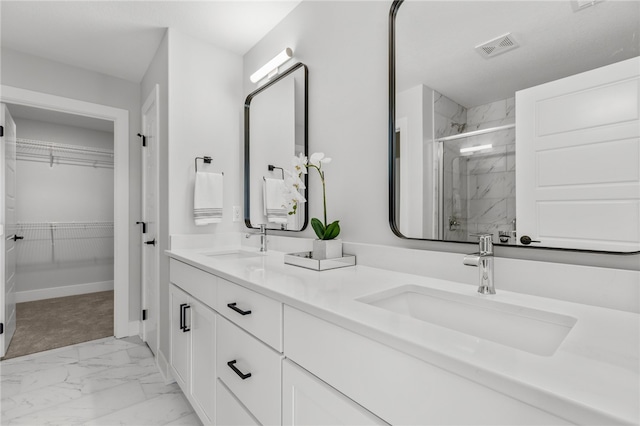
(516, 118)
(275, 130)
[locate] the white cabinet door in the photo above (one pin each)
(203, 358)
(180, 337)
(307, 400)
(230, 411)
(578, 160)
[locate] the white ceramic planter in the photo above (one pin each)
(327, 249)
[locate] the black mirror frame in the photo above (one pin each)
(392, 155)
(247, 171)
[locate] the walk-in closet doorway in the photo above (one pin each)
(75, 222)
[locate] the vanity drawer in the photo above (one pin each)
(198, 283)
(260, 392)
(265, 318)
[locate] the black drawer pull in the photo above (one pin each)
(243, 376)
(186, 328)
(183, 317)
(238, 310)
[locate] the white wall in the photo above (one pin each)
(415, 108)
(344, 44)
(205, 115)
(42, 75)
(200, 114)
(63, 192)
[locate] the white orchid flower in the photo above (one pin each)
(318, 158)
(293, 180)
(300, 164)
(292, 197)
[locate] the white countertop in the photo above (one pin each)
(593, 377)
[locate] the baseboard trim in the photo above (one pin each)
(68, 290)
(163, 367)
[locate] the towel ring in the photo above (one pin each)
(272, 168)
(205, 159)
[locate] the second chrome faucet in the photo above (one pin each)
(483, 260)
(263, 237)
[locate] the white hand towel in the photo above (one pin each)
(274, 203)
(207, 198)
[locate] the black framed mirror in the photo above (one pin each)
(470, 88)
(275, 130)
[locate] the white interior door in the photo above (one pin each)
(150, 252)
(578, 160)
(7, 228)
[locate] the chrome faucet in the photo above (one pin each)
(263, 237)
(483, 260)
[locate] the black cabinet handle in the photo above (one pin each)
(238, 310)
(183, 317)
(526, 240)
(151, 243)
(186, 327)
(17, 237)
(240, 374)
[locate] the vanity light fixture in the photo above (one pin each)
(271, 68)
(475, 148)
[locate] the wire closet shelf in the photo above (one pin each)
(64, 230)
(57, 153)
(45, 242)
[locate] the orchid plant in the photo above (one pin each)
(294, 183)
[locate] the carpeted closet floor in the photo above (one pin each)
(54, 323)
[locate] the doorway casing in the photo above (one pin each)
(122, 327)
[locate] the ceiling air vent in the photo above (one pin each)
(498, 45)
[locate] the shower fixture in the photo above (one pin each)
(459, 126)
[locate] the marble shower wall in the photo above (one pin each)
(490, 176)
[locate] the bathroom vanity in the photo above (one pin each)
(255, 341)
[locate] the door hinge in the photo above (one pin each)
(144, 139)
(144, 314)
(1, 130)
(1, 328)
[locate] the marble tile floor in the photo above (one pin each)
(103, 382)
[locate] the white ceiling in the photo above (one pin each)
(436, 43)
(120, 38)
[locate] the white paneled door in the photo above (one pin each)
(578, 160)
(150, 245)
(7, 228)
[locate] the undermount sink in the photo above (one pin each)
(233, 254)
(532, 330)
